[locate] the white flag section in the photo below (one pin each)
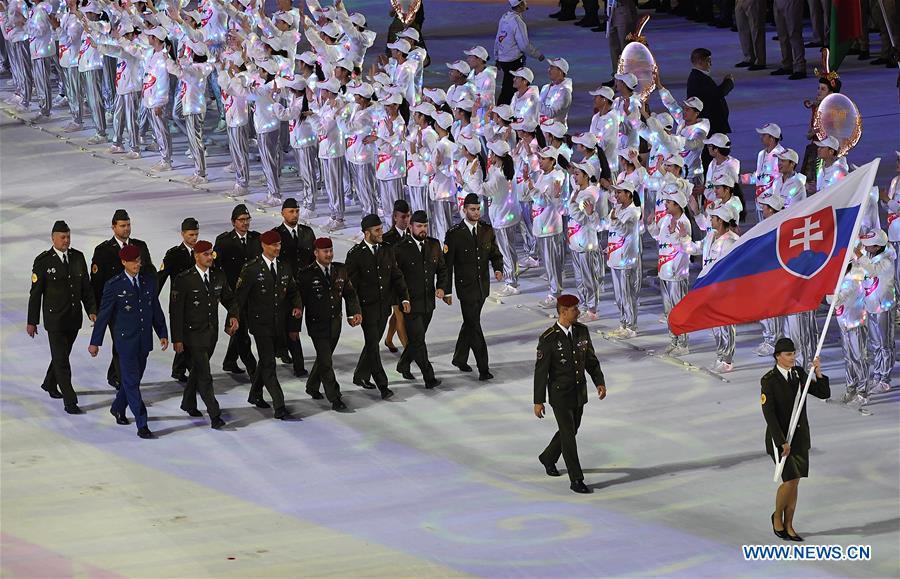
(853, 190)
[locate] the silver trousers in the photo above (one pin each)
(801, 328)
(23, 78)
(626, 297)
(333, 173)
(418, 198)
(881, 344)
(109, 82)
(74, 94)
(772, 329)
(125, 114)
(268, 158)
(724, 337)
(856, 361)
(41, 70)
(507, 244)
(363, 179)
(161, 134)
(92, 80)
(239, 147)
(585, 265)
(552, 249)
(529, 242)
(441, 218)
(194, 125)
(602, 240)
(307, 166)
(672, 293)
(388, 192)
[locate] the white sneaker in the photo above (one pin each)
(151, 146)
(96, 140)
(764, 349)
(237, 192)
(60, 100)
(860, 400)
(627, 334)
(197, 179)
(270, 201)
(848, 396)
(507, 291)
(72, 127)
(335, 225)
(161, 166)
(115, 149)
(588, 317)
(253, 143)
(677, 351)
(229, 168)
(723, 367)
(880, 388)
(528, 263)
(132, 155)
(663, 319)
(547, 303)
(221, 127)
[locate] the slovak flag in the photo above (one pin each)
(784, 265)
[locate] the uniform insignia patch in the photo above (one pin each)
(446, 249)
(762, 398)
(540, 354)
(94, 268)
(34, 278)
(238, 284)
(214, 255)
(162, 266)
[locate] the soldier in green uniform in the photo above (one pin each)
(60, 286)
(177, 260)
(564, 354)
(297, 242)
(266, 291)
(194, 323)
(781, 388)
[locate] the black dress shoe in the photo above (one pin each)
(182, 377)
(588, 22)
(743, 64)
(365, 384)
(483, 376)
(216, 423)
(120, 418)
(338, 405)
(233, 369)
(813, 45)
(114, 383)
(566, 17)
(315, 395)
(556, 14)
(301, 373)
(282, 413)
(53, 392)
(463, 367)
(74, 409)
(782, 534)
(864, 55)
(581, 488)
(433, 384)
(755, 67)
(258, 402)
(193, 412)
(145, 433)
(392, 349)
(797, 76)
(795, 538)
(781, 71)
(550, 469)
(386, 393)
(286, 359)
(407, 375)
(601, 28)
(879, 61)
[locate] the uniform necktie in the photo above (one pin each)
(328, 276)
(375, 249)
(274, 273)
(294, 235)
(134, 282)
(206, 281)
(244, 242)
(475, 232)
(66, 259)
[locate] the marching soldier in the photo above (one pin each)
(399, 230)
(564, 354)
(297, 242)
(130, 298)
(232, 250)
(105, 265)
(323, 285)
(177, 260)
(265, 289)
(194, 317)
(470, 246)
(60, 287)
(421, 261)
(780, 387)
(379, 285)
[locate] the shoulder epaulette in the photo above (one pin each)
(549, 332)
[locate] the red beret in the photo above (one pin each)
(270, 237)
(129, 253)
(324, 243)
(567, 300)
(202, 246)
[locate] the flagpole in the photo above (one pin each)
(795, 416)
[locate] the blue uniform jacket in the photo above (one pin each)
(131, 317)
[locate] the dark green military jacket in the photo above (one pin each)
(194, 310)
(62, 291)
(561, 364)
(777, 400)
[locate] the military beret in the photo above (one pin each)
(567, 300)
(239, 210)
(120, 215)
(784, 345)
(60, 227)
(420, 217)
(290, 203)
(129, 253)
(189, 224)
(270, 237)
(472, 199)
(401, 206)
(323, 243)
(202, 246)
(370, 220)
